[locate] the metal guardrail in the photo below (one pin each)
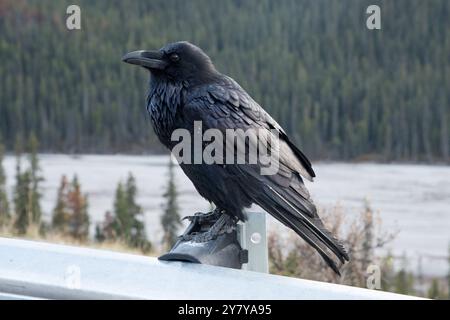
(39, 270)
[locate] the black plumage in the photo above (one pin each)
(185, 87)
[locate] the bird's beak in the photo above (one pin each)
(149, 59)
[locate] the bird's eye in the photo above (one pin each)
(174, 57)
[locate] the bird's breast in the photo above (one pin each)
(163, 102)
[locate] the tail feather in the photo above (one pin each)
(295, 214)
(315, 225)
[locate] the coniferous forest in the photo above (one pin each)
(342, 91)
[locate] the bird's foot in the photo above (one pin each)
(223, 223)
(203, 217)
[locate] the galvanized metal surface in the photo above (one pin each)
(253, 237)
(31, 269)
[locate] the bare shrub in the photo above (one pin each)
(291, 256)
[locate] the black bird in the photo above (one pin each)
(186, 87)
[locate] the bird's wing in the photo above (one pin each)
(233, 102)
(283, 194)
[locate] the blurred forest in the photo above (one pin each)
(342, 91)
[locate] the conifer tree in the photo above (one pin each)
(70, 215)
(27, 189)
(22, 203)
(435, 292)
(61, 214)
(21, 193)
(78, 204)
(404, 280)
(170, 219)
(99, 235)
(420, 277)
(137, 237)
(122, 223)
(4, 204)
(448, 274)
(106, 229)
(36, 179)
(128, 224)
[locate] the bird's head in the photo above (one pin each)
(178, 61)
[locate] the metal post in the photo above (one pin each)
(253, 238)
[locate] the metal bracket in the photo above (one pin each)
(252, 236)
(244, 248)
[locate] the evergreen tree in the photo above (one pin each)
(27, 189)
(106, 230)
(36, 179)
(99, 235)
(137, 237)
(122, 221)
(420, 278)
(128, 224)
(435, 291)
(78, 204)
(4, 204)
(70, 215)
(404, 280)
(22, 193)
(61, 214)
(448, 275)
(22, 203)
(170, 219)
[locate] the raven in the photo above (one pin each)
(185, 87)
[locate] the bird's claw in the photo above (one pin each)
(223, 224)
(202, 217)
